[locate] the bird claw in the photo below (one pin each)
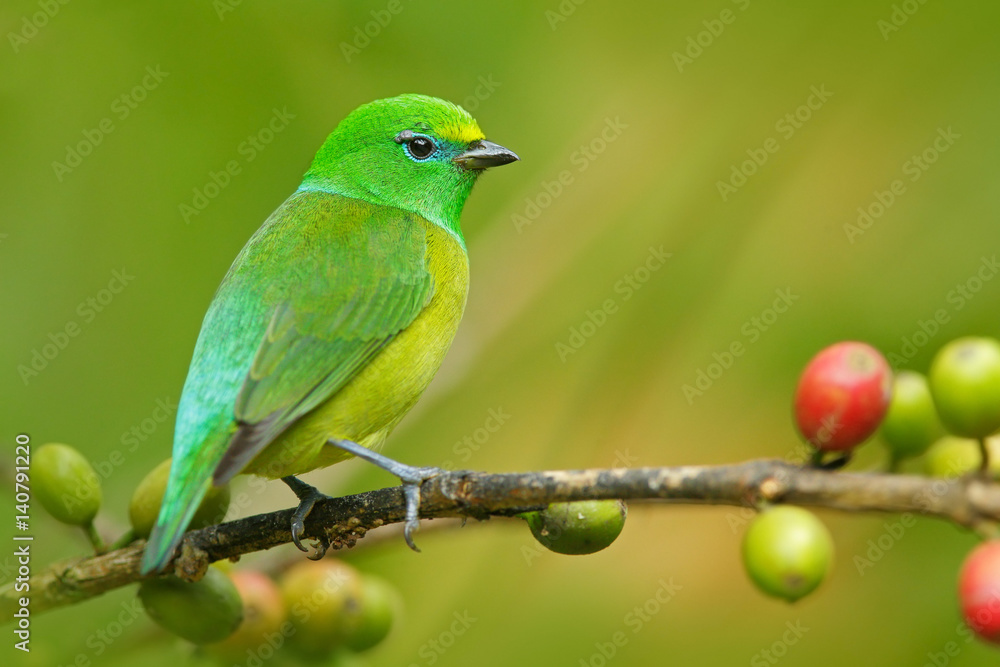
(297, 528)
(411, 477)
(411, 491)
(308, 496)
(321, 548)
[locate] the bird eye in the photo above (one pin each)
(420, 148)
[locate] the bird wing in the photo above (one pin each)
(321, 287)
(332, 316)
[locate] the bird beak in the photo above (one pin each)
(485, 154)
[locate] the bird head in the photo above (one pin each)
(413, 152)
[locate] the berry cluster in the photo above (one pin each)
(318, 610)
(322, 610)
(846, 393)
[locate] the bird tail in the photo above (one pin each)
(190, 479)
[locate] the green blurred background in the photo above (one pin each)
(545, 87)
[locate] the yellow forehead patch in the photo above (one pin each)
(461, 133)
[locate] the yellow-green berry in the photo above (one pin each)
(65, 484)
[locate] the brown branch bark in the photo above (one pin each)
(966, 501)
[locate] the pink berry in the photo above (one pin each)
(842, 396)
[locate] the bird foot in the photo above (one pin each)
(411, 477)
(308, 496)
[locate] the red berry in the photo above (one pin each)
(842, 396)
(979, 590)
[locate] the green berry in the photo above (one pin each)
(379, 604)
(965, 383)
(324, 600)
(911, 424)
(145, 504)
(954, 457)
(576, 528)
(787, 551)
(66, 484)
(202, 612)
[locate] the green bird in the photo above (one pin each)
(336, 314)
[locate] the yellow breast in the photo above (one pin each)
(368, 407)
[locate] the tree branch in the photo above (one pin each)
(967, 501)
